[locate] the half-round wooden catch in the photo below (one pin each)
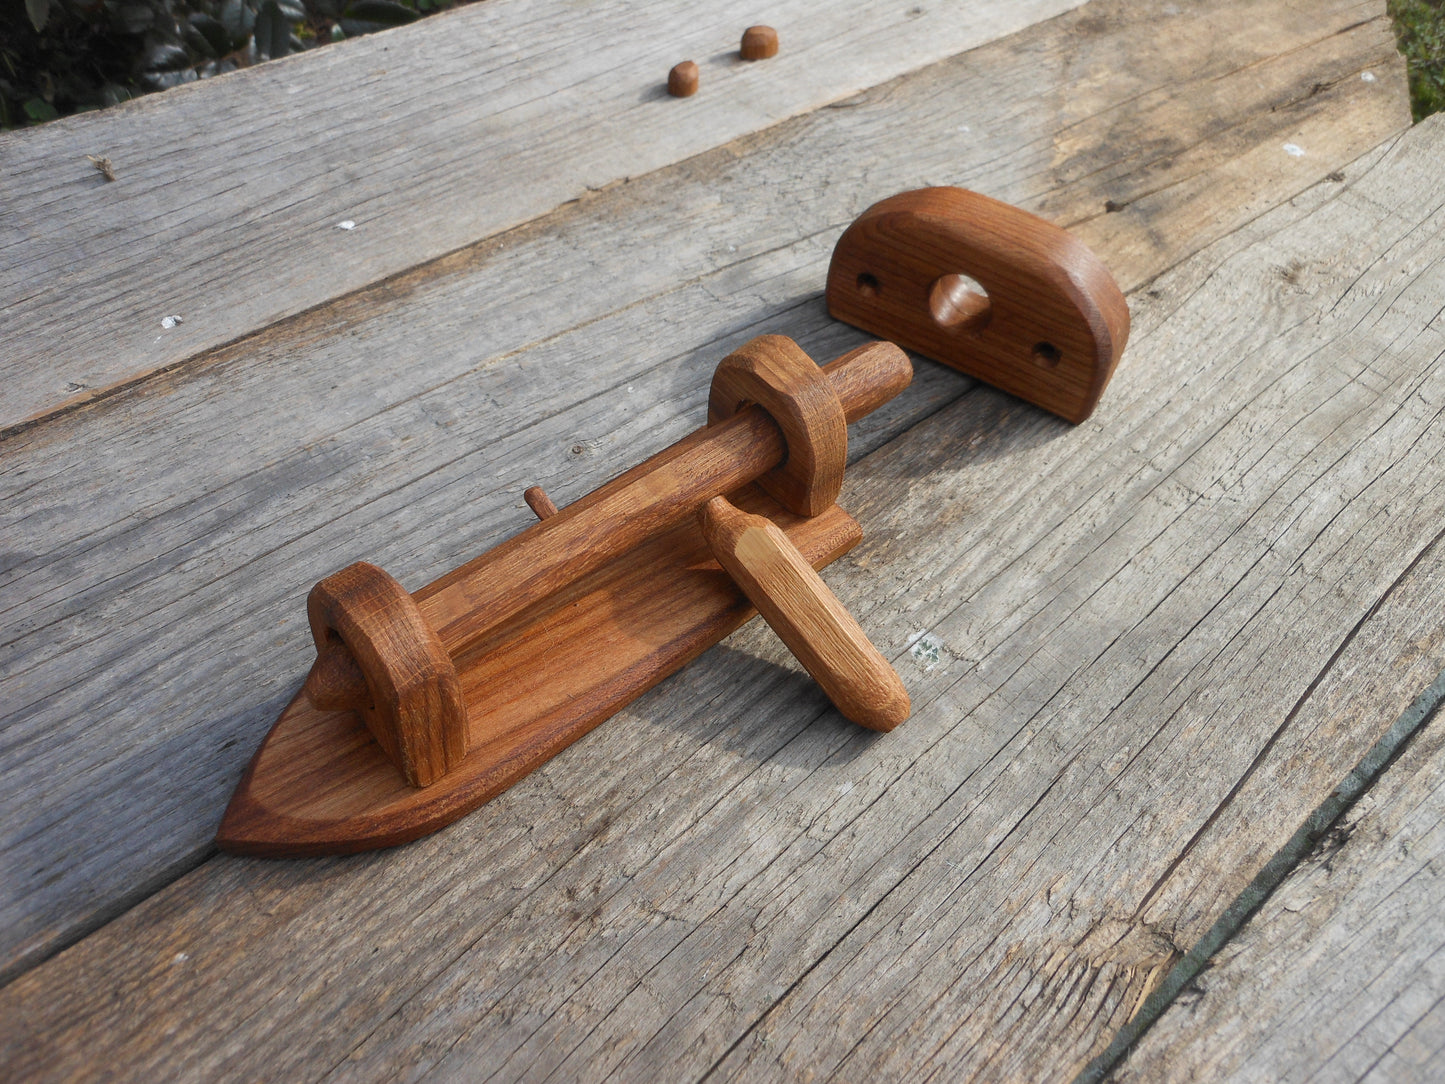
(774, 372)
(363, 620)
(986, 288)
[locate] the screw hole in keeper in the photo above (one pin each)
(1047, 355)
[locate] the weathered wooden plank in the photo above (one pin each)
(427, 138)
(728, 878)
(154, 617)
(994, 933)
(1341, 975)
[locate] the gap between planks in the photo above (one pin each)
(1354, 785)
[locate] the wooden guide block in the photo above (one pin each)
(410, 700)
(772, 372)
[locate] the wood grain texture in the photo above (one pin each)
(818, 629)
(154, 606)
(1112, 653)
(242, 182)
(986, 288)
(1341, 975)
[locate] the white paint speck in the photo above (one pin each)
(347, 225)
(1294, 150)
(964, 128)
(171, 321)
(1367, 77)
(181, 957)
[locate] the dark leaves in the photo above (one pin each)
(39, 12)
(273, 33)
(213, 33)
(380, 12)
(166, 57)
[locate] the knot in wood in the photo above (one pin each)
(774, 373)
(412, 702)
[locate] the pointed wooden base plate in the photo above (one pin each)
(320, 784)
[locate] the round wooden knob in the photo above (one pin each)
(682, 80)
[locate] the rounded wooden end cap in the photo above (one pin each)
(759, 43)
(682, 80)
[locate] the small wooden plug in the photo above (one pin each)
(806, 615)
(759, 43)
(682, 80)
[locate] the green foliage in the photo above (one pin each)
(66, 56)
(1420, 27)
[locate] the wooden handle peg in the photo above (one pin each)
(806, 615)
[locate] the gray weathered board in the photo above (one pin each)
(1341, 975)
(226, 206)
(1135, 635)
(160, 590)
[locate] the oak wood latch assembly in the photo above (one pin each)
(420, 707)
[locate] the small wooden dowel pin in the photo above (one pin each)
(538, 501)
(806, 615)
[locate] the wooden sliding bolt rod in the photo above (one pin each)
(806, 615)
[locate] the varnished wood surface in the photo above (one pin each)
(649, 497)
(986, 288)
(823, 636)
(531, 688)
(710, 877)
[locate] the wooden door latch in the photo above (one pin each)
(420, 707)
